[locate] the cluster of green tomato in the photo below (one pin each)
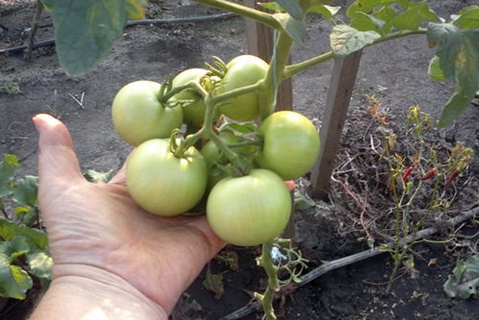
(246, 204)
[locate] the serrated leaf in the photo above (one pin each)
(85, 30)
(292, 7)
(326, 11)
(136, 8)
(296, 29)
(346, 40)
(468, 18)
(435, 72)
(464, 281)
(458, 52)
(25, 191)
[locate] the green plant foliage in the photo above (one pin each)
(464, 280)
(458, 54)
(85, 30)
(24, 250)
(346, 40)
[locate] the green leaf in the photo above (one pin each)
(136, 8)
(468, 18)
(458, 52)
(296, 29)
(34, 237)
(96, 177)
(85, 30)
(41, 265)
(302, 201)
(435, 72)
(14, 281)
(464, 281)
(14, 248)
(346, 40)
(292, 7)
(7, 171)
(411, 18)
(25, 191)
(326, 11)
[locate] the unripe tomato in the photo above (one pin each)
(163, 184)
(139, 116)
(242, 71)
(290, 144)
(249, 210)
(193, 112)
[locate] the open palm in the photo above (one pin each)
(98, 226)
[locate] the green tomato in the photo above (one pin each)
(249, 210)
(193, 112)
(162, 183)
(139, 116)
(242, 71)
(290, 144)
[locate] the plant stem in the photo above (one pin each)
(271, 270)
(299, 67)
(244, 11)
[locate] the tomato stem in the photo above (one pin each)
(243, 11)
(266, 262)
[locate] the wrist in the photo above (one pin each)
(85, 292)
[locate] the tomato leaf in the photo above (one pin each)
(326, 11)
(467, 18)
(435, 72)
(85, 30)
(458, 52)
(296, 29)
(412, 17)
(464, 280)
(346, 40)
(292, 7)
(136, 8)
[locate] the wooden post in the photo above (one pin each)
(260, 42)
(340, 91)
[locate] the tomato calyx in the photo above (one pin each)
(218, 68)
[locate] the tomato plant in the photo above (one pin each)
(249, 210)
(242, 71)
(138, 115)
(162, 183)
(290, 144)
(251, 206)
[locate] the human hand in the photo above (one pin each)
(105, 245)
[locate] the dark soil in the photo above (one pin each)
(394, 72)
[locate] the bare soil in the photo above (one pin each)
(395, 72)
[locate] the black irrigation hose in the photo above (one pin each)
(363, 255)
(131, 23)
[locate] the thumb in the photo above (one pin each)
(57, 161)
